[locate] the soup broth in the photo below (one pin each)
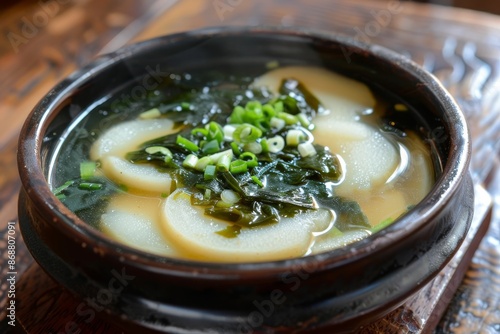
(297, 161)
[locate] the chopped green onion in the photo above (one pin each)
(253, 105)
(200, 131)
(60, 189)
(235, 148)
(276, 144)
(277, 123)
(383, 224)
(163, 195)
(306, 149)
(230, 196)
(211, 147)
(90, 186)
(246, 133)
(87, 169)
(150, 114)
(253, 147)
(237, 115)
(187, 144)
(202, 163)
(190, 161)
(264, 145)
(304, 121)
(278, 107)
(216, 156)
(294, 137)
(228, 130)
(209, 172)
(253, 112)
(288, 118)
(60, 196)
(268, 111)
(159, 149)
(238, 166)
(262, 124)
(257, 181)
(224, 163)
(185, 105)
(250, 159)
(208, 194)
(215, 132)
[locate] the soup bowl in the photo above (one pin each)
(334, 291)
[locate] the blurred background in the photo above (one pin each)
(491, 6)
(482, 5)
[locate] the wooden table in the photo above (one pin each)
(44, 41)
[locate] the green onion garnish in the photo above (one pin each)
(294, 137)
(264, 145)
(201, 131)
(253, 112)
(187, 144)
(306, 149)
(268, 111)
(235, 148)
(278, 107)
(303, 120)
(60, 189)
(215, 132)
(246, 133)
(250, 158)
(288, 118)
(277, 123)
(202, 163)
(190, 161)
(87, 169)
(210, 171)
(383, 224)
(237, 115)
(207, 195)
(257, 181)
(276, 144)
(90, 186)
(238, 166)
(224, 163)
(211, 147)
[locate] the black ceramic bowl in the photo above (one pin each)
(330, 292)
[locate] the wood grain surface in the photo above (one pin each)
(461, 47)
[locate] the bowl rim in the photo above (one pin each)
(37, 188)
